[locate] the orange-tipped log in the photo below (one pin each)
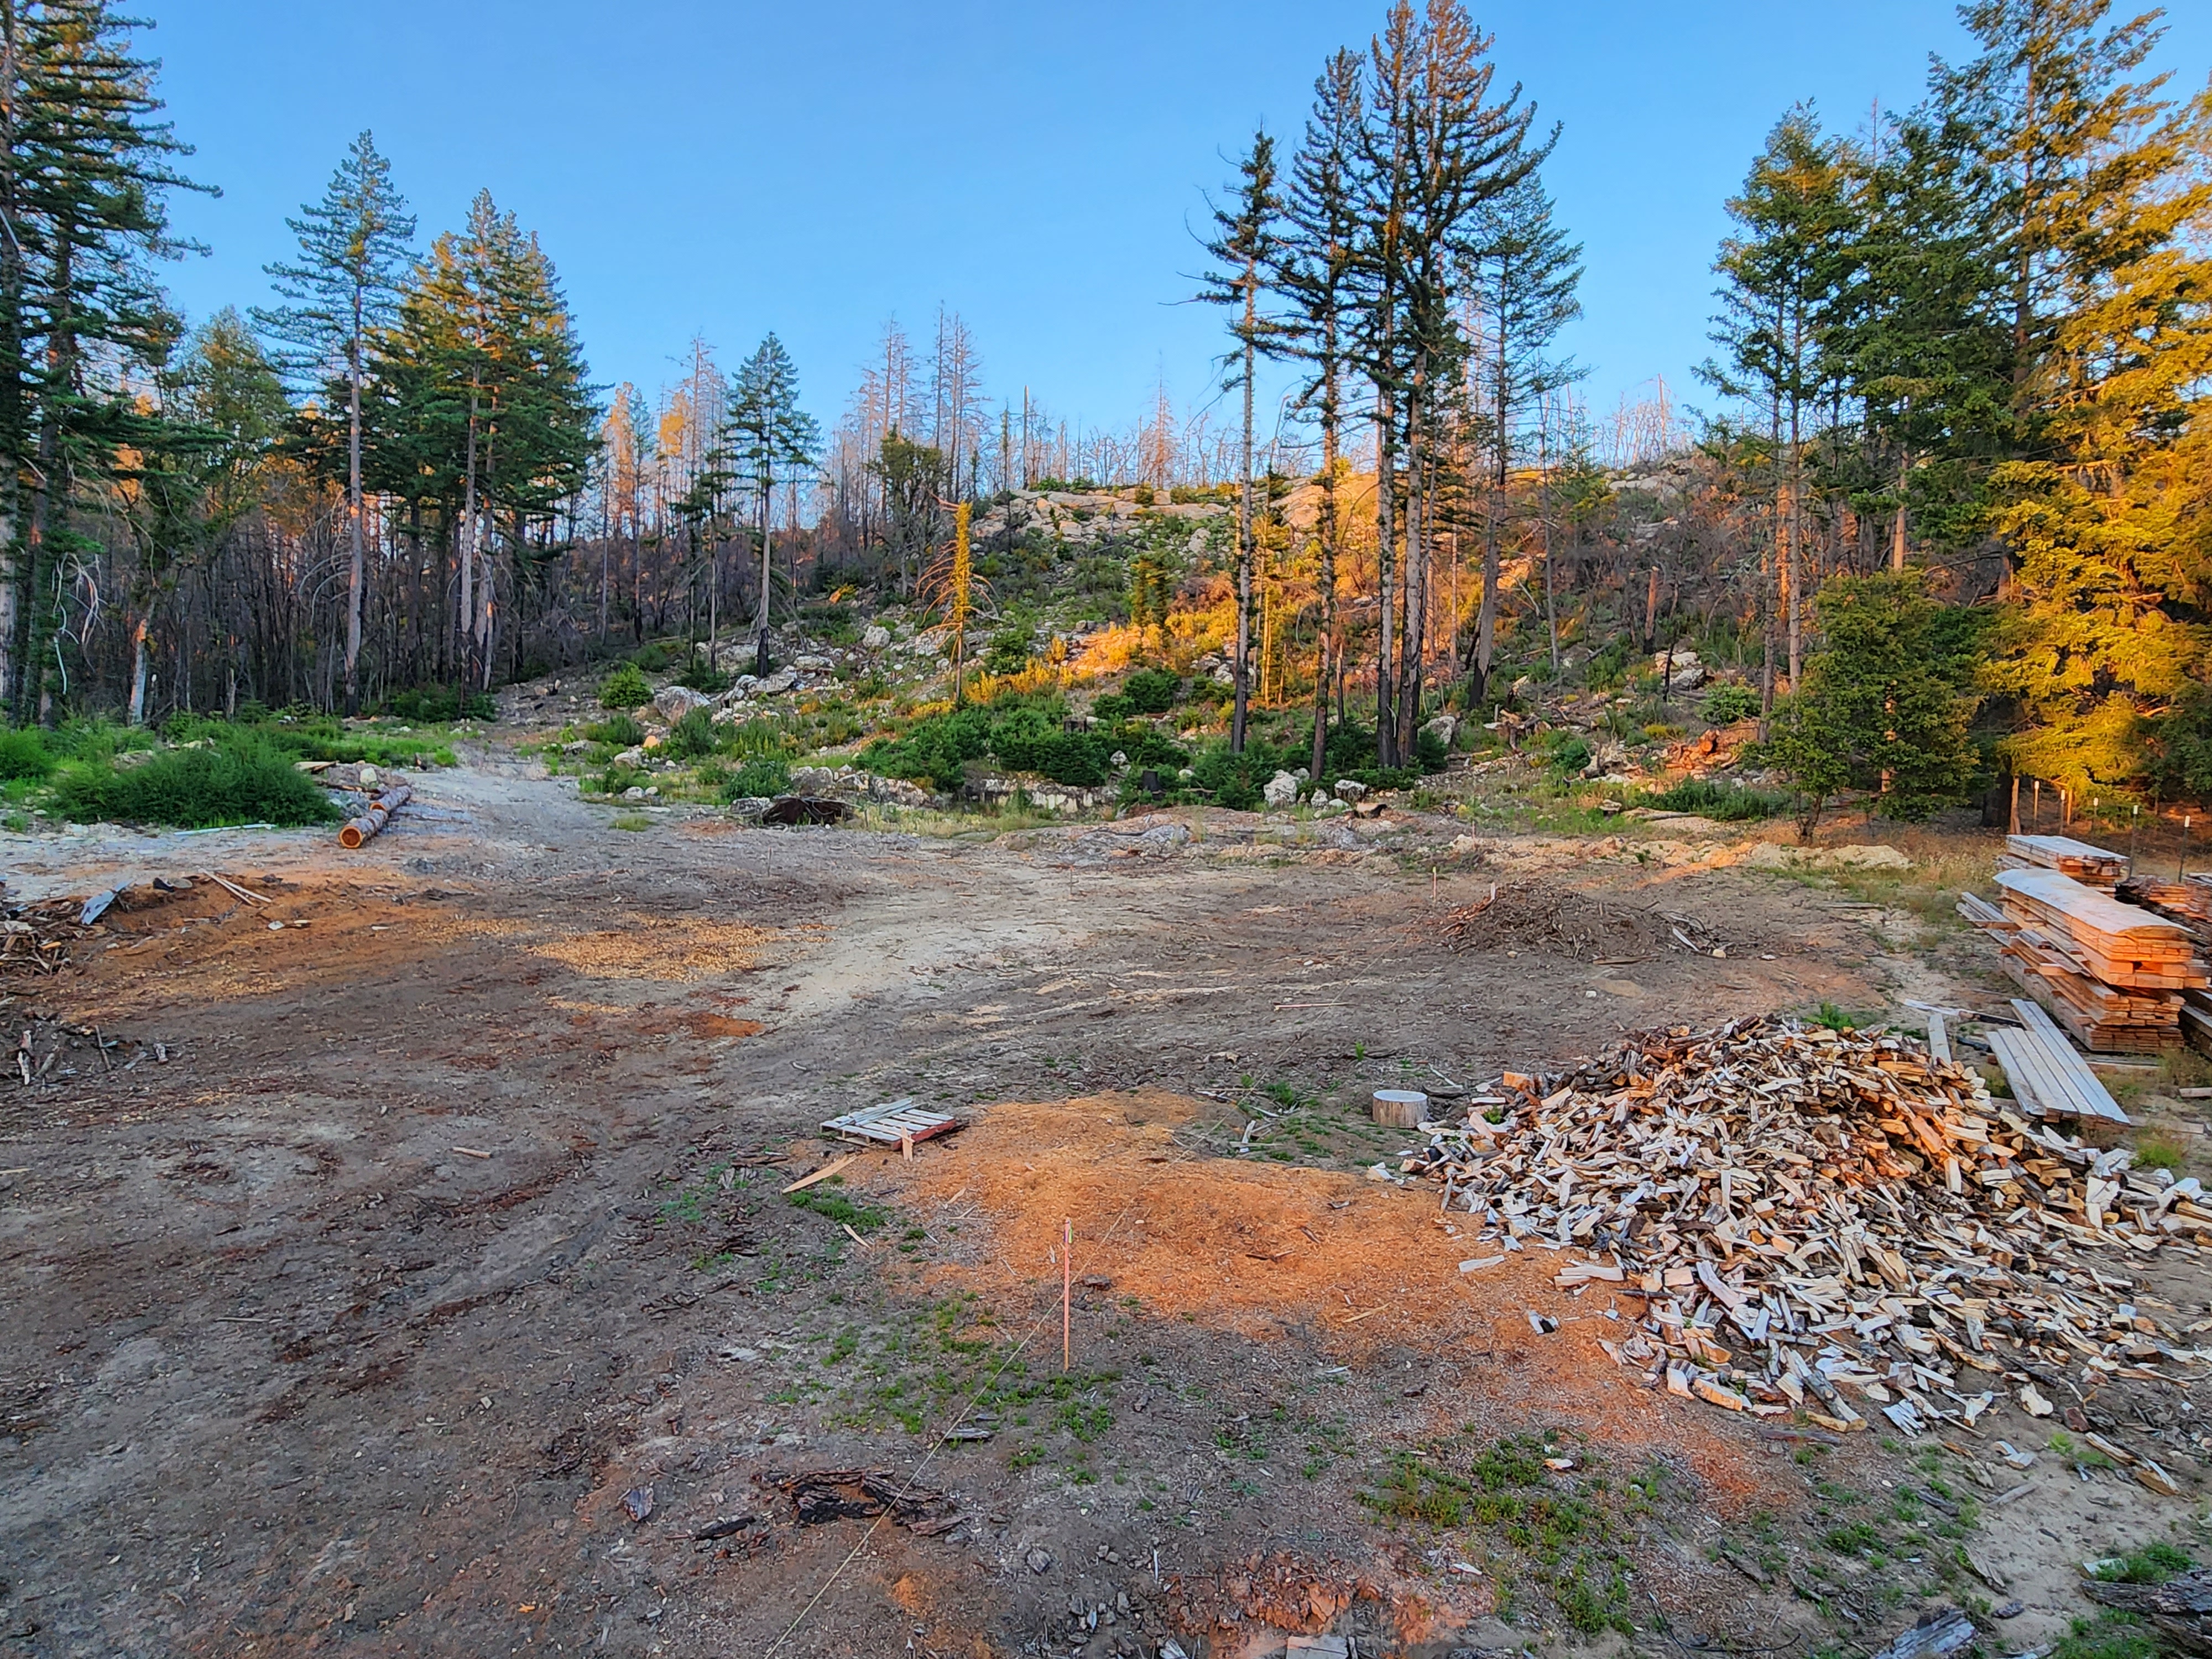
(360, 829)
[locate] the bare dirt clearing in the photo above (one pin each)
(446, 1239)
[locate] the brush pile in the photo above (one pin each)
(1809, 1215)
(35, 937)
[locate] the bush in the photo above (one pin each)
(620, 728)
(1236, 781)
(22, 755)
(935, 750)
(437, 704)
(654, 657)
(1145, 745)
(1008, 652)
(1727, 704)
(1031, 738)
(692, 737)
(626, 688)
(1570, 753)
(1113, 708)
(701, 675)
(1728, 803)
(1152, 690)
(760, 775)
(247, 779)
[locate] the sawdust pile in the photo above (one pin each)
(672, 949)
(1264, 1251)
(1861, 1216)
(1583, 926)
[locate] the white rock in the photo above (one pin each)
(631, 757)
(812, 663)
(1118, 758)
(1319, 798)
(1351, 789)
(874, 637)
(1443, 728)
(369, 775)
(1280, 791)
(779, 683)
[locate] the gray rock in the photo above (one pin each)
(779, 683)
(1320, 798)
(634, 756)
(673, 702)
(1038, 1561)
(875, 637)
(750, 806)
(1351, 789)
(1443, 728)
(1281, 790)
(1118, 759)
(812, 663)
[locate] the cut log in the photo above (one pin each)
(364, 828)
(2181, 1609)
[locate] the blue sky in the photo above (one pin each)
(725, 169)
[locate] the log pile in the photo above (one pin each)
(2116, 973)
(1832, 1222)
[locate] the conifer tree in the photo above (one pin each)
(345, 286)
(770, 439)
(85, 172)
(1243, 247)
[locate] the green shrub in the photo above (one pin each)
(1113, 708)
(1727, 803)
(437, 704)
(1008, 652)
(1146, 745)
(1726, 704)
(24, 756)
(1236, 781)
(701, 675)
(620, 728)
(760, 775)
(1570, 754)
(1030, 738)
(626, 688)
(2154, 1564)
(935, 750)
(692, 738)
(247, 779)
(654, 657)
(1152, 690)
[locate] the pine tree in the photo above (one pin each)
(770, 439)
(85, 175)
(1524, 274)
(1314, 271)
(1881, 708)
(346, 286)
(1784, 271)
(1243, 246)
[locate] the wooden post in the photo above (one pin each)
(2014, 829)
(2181, 870)
(1066, 1292)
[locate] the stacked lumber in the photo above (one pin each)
(2047, 1077)
(2092, 866)
(2188, 900)
(1820, 1221)
(2114, 973)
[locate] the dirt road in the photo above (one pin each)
(428, 1290)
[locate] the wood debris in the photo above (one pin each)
(820, 1495)
(1831, 1222)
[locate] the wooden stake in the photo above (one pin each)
(1066, 1293)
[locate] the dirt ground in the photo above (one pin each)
(414, 1277)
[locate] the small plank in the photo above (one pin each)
(1939, 1040)
(2079, 1082)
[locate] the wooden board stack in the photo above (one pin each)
(1820, 1221)
(2090, 865)
(2188, 900)
(2115, 973)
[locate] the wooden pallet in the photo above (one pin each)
(2046, 1074)
(893, 1123)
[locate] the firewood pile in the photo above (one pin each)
(2118, 975)
(35, 937)
(1813, 1218)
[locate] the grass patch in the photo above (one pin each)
(835, 1207)
(2158, 1152)
(2108, 1636)
(1724, 802)
(2154, 1564)
(633, 822)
